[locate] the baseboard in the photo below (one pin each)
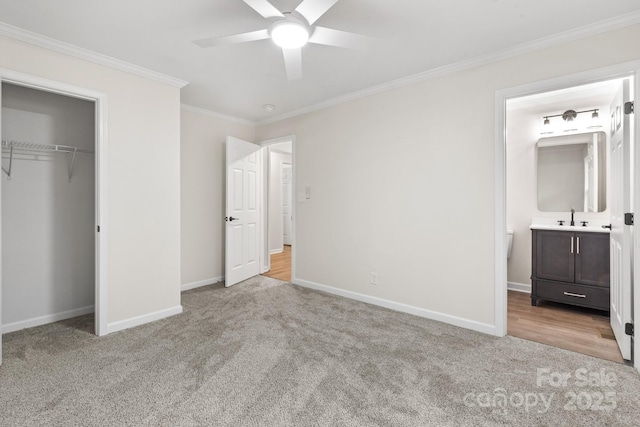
(405, 308)
(519, 287)
(276, 251)
(49, 318)
(201, 283)
(141, 320)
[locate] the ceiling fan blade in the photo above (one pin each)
(264, 8)
(331, 37)
(233, 39)
(314, 9)
(293, 63)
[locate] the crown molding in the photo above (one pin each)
(215, 115)
(23, 35)
(521, 49)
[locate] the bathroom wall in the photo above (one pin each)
(523, 132)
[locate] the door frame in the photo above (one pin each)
(290, 194)
(101, 179)
(265, 202)
(624, 70)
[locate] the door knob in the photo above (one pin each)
(230, 218)
(607, 226)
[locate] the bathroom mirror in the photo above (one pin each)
(572, 173)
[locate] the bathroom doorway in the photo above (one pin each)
(559, 117)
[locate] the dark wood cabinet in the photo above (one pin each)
(570, 267)
(554, 257)
(592, 259)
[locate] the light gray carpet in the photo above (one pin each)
(268, 353)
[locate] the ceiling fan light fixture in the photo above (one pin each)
(290, 34)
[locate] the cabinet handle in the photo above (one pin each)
(577, 245)
(571, 294)
(571, 244)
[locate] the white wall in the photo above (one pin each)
(276, 226)
(143, 137)
(202, 180)
(48, 222)
(402, 182)
(523, 132)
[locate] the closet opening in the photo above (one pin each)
(49, 204)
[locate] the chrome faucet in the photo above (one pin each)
(572, 212)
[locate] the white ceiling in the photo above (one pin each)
(411, 36)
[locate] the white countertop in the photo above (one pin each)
(574, 228)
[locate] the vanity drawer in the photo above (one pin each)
(586, 296)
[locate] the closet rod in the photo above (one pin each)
(28, 146)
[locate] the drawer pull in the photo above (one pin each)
(571, 294)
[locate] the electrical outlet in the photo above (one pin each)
(374, 278)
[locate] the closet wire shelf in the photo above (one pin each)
(47, 148)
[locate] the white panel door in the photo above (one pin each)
(242, 211)
(620, 233)
(287, 194)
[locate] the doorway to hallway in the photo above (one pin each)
(279, 190)
(281, 265)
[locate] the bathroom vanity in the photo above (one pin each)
(570, 264)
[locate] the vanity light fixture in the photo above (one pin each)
(569, 116)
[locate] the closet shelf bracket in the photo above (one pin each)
(8, 171)
(73, 162)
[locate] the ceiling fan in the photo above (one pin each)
(291, 31)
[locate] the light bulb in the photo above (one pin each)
(290, 35)
(595, 121)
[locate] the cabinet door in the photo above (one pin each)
(555, 255)
(592, 259)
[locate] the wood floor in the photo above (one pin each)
(572, 328)
(281, 265)
(576, 329)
